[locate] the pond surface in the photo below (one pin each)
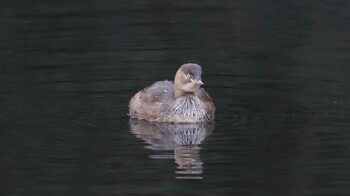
(277, 72)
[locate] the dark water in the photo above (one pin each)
(278, 72)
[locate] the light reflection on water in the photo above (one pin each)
(179, 142)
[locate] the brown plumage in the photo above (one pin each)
(183, 101)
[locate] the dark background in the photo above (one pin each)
(278, 72)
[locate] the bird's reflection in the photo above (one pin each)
(175, 141)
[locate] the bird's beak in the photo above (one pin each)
(197, 81)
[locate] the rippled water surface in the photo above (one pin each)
(278, 73)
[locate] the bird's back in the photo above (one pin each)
(152, 101)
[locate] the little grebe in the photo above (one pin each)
(184, 101)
